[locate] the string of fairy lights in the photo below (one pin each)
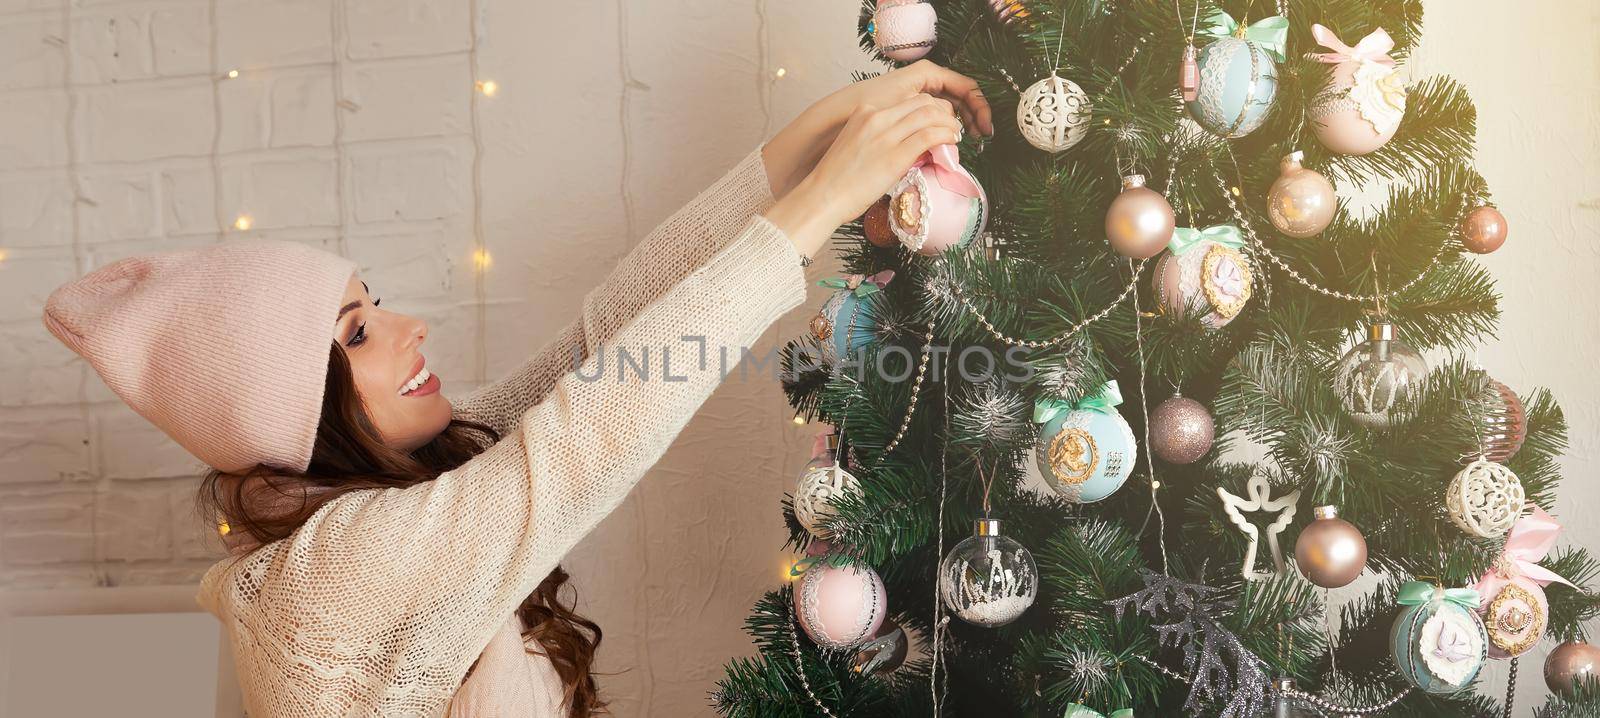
(241, 218)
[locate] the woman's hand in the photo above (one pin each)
(796, 149)
(873, 150)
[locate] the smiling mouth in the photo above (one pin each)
(418, 380)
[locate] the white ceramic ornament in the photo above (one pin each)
(1259, 490)
(823, 481)
(1485, 499)
(1053, 114)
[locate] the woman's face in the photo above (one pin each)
(385, 352)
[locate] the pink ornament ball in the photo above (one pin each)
(1339, 123)
(1515, 616)
(904, 30)
(840, 606)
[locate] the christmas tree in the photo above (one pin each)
(1163, 219)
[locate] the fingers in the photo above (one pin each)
(937, 117)
(924, 139)
(920, 105)
(963, 91)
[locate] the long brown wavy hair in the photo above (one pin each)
(349, 456)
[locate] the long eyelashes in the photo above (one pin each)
(361, 330)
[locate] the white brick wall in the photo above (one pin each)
(577, 164)
(120, 134)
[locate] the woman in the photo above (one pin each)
(397, 554)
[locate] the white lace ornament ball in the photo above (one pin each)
(814, 495)
(840, 606)
(1053, 114)
(1484, 499)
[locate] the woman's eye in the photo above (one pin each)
(360, 335)
(377, 301)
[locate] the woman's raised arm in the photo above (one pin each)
(679, 244)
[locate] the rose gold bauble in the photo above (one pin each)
(1330, 551)
(1504, 423)
(1337, 120)
(1569, 663)
(875, 224)
(1302, 202)
(1139, 222)
(1483, 230)
(1181, 430)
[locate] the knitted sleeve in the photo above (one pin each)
(379, 603)
(679, 244)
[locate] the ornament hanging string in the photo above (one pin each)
(1125, 63)
(939, 621)
(1333, 639)
(1194, 25)
(1061, 39)
(1149, 460)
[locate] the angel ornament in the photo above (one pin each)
(1258, 491)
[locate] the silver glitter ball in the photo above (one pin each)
(1181, 430)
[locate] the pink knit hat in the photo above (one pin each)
(225, 348)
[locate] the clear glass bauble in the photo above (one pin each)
(1377, 376)
(988, 580)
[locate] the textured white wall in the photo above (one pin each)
(353, 126)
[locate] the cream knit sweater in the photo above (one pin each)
(381, 601)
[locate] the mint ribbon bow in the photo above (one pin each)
(1077, 710)
(1187, 238)
(1104, 401)
(1419, 593)
(861, 286)
(1272, 34)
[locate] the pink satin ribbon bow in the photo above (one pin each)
(1374, 47)
(947, 171)
(1531, 539)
